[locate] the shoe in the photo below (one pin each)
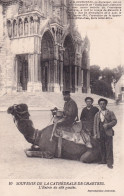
(110, 166)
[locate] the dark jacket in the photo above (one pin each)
(70, 110)
(87, 118)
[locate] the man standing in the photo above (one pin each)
(87, 115)
(103, 122)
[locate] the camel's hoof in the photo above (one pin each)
(28, 153)
(27, 149)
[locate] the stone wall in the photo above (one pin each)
(9, 11)
(2, 54)
(22, 29)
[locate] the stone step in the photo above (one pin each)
(45, 101)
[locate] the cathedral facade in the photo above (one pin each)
(41, 49)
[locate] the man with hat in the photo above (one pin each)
(103, 122)
(70, 110)
(87, 115)
(70, 113)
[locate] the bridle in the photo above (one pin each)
(19, 114)
(20, 118)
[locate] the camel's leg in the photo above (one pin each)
(40, 154)
(86, 157)
(90, 157)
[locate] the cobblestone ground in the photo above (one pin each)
(15, 164)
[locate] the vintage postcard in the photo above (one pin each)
(61, 97)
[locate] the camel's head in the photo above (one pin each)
(19, 110)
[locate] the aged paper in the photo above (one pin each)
(21, 175)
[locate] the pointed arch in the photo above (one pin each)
(47, 62)
(69, 64)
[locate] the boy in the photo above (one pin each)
(103, 122)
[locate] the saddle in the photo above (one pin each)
(74, 134)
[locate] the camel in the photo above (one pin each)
(44, 147)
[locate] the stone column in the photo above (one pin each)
(56, 56)
(80, 80)
(76, 82)
(33, 66)
(70, 67)
(16, 74)
(35, 24)
(12, 28)
(88, 81)
(61, 67)
(23, 26)
(61, 76)
(39, 69)
(28, 25)
(56, 84)
(48, 76)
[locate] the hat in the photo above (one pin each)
(102, 99)
(66, 92)
(89, 98)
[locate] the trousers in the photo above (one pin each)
(106, 146)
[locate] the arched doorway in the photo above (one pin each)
(68, 65)
(47, 62)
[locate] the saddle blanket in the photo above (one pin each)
(76, 137)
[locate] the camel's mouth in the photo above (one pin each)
(10, 110)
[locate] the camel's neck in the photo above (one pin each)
(27, 129)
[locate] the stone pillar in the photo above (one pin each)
(28, 25)
(61, 76)
(80, 80)
(39, 69)
(56, 84)
(16, 74)
(70, 67)
(35, 24)
(88, 81)
(33, 66)
(51, 76)
(76, 82)
(48, 77)
(23, 26)
(56, 56)
(12, 28)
